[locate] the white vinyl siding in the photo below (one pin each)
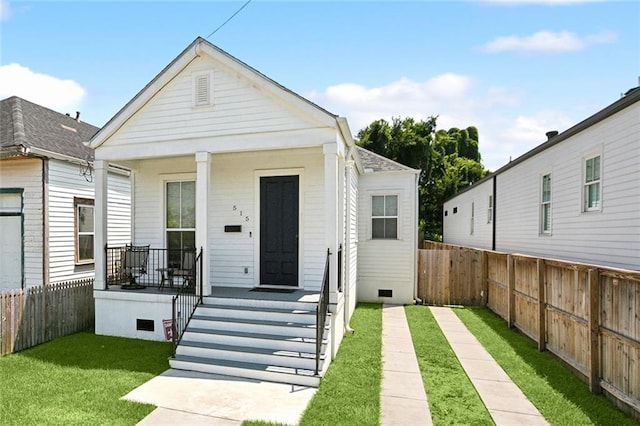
(233, 185)
(611, 237)
(240, 108)
(65, 185)
(27, 174)
(386, 264)
(456, 226)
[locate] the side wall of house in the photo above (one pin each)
(458, 225)
(66, 184)
(26, 173)
(608, 236)
(387, 264)
(351, 235)
(232, 201)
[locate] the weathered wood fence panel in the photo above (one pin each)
(39, 314)
(586, 315)
(451, 277)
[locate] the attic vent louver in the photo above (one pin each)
(202, 89)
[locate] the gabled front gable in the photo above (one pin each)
(208, 100)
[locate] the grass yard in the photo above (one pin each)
(78, 380)
(349, 393)
(452, 397)
(561, 397)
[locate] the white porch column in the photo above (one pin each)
(331, 216)
(203, 174)
(101, 172)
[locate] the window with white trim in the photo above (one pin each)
(384, 217)
(180, 222)
(490, 209)
(84, 230)
(545, 205)
(592, 193)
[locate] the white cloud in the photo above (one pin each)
(547, 42)
(453, 99)
(5, 10)
(42, 89)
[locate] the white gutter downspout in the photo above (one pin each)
(347, 249)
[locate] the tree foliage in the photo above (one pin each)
(449, 160)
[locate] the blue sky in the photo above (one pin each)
(513, 68)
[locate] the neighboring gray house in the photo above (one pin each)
(272, 194)
(575, 197)
(47, 197)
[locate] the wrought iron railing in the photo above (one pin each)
(139, 266)
(321, 311)
(184, 304)
(340, 268)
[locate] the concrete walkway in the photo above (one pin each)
(402, 399)
(504, 400)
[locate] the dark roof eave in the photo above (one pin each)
(631, 98)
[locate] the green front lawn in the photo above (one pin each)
(560, 396)
(79, 380)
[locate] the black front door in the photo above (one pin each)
(279, 230)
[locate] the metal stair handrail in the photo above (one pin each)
(321, 311)
(186, 300)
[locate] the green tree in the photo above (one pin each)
(449, 160)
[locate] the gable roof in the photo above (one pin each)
(30, 129)
(378, 163)
(196, 49)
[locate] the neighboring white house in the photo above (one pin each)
(47, 197)
(265, 183)
(575, 197)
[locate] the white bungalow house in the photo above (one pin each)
(575, 197)
(47, 197)
(269, 194)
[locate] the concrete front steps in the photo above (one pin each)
(269, 340)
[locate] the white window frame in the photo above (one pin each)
(473, 216)
(397, 216)
(545, 205)
(78, 203)
(170, 178)
(490, 209)
(587, 184)
(196, 76)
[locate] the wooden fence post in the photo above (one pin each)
(542, 306)
(594, 330)
(511, 283)
(484, 283)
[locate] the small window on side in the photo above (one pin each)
(384, 217)
(84, 230)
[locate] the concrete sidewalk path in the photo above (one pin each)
(504, 400)
(191, 398)
(402, 398)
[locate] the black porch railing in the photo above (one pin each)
(340, 269)
(321, 311)
(134, 267)
(184, 305)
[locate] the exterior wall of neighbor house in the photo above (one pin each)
(609, 236)
(26, 173)
(387, 264)
(351, 232)
(458, 225)
(232, 201)
(66, 184)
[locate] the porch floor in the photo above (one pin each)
(297, 295)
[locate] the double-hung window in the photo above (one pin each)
(545, 205)
(83, 215)
(180, 219)
(592, 195)
(384, 217)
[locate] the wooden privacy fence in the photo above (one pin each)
(586, 315)
(39, 314)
